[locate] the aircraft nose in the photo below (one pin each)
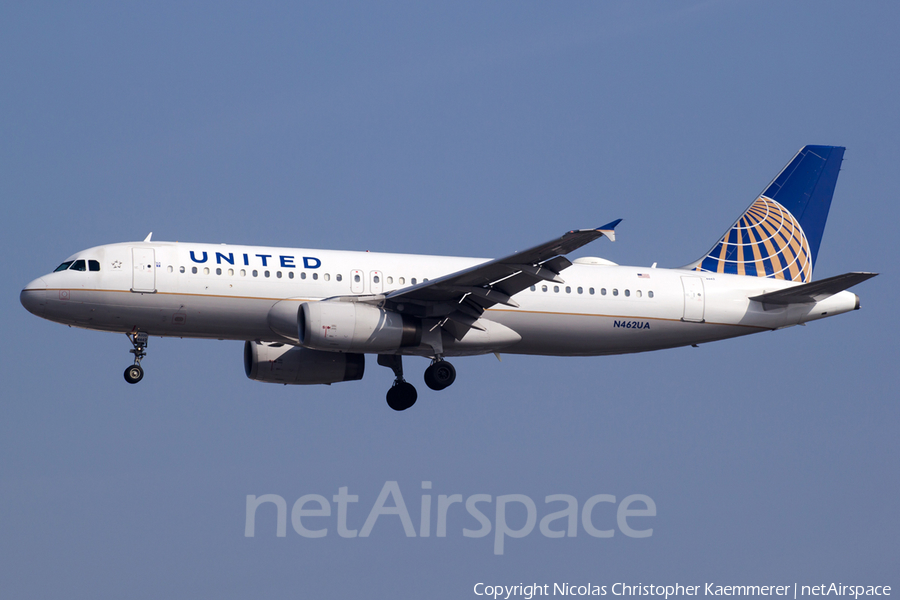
(34, 297)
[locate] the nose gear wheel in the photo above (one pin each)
(139, 340)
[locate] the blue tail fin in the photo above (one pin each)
(779, 235)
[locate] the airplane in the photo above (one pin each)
(310, 316)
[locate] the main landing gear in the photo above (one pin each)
(139, 340)
(403, 394)
(440, 374)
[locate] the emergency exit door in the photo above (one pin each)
(694, 302)
(143, 262)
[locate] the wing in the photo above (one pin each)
(460, 298)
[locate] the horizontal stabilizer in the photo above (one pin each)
(815, 291)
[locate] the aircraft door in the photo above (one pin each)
(357, 283)
(694, 302)
(376, 282)
(143, 262)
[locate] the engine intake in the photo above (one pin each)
(355, 327)
(282, 363)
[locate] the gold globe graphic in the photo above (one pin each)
(767, 241)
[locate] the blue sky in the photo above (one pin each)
(471, 129)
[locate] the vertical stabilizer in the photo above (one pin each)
(779, 235)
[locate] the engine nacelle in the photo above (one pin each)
(355, 327)
(282, 363)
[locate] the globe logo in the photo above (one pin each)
(767, 241)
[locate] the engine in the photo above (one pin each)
(355, 327)
(281, 363)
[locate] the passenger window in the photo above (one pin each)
(533, 288)
(615, 292)
(181, 269)
(402, 281)
(206, 270)
(303, 275)
(390, 280)
(627, 293)
(255, 273)
(94, 265)
(638, 293)
(290, 274)
(243, 273)
(266, 273)
(568, 290)
(413, 281)
(338, 277)
(602, 291)
(218, 270)
(376, 279)
(327, 277)
(231, 272)
(591, 291)
(194, 270)
(556, 288)
(78, 265)
(649, 294)
(315, 275)
(63, 266)
(543, 288)
(580, 290)
(278, 274)
(356, 278)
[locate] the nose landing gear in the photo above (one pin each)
(139, 340)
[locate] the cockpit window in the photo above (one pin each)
(78, 265)
(93, 265)
(63, 266)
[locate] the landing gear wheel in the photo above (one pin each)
(402, 395)
(139, 340)
(134, 373)
(440, 375)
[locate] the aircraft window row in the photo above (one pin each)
(79, 265)
(278, 274)
(255, 273)
(580, 290)
(390, 280)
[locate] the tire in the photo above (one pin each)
(134, 373)
(440, 375)
(402, 396)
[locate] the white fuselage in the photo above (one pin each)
(228, 292)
